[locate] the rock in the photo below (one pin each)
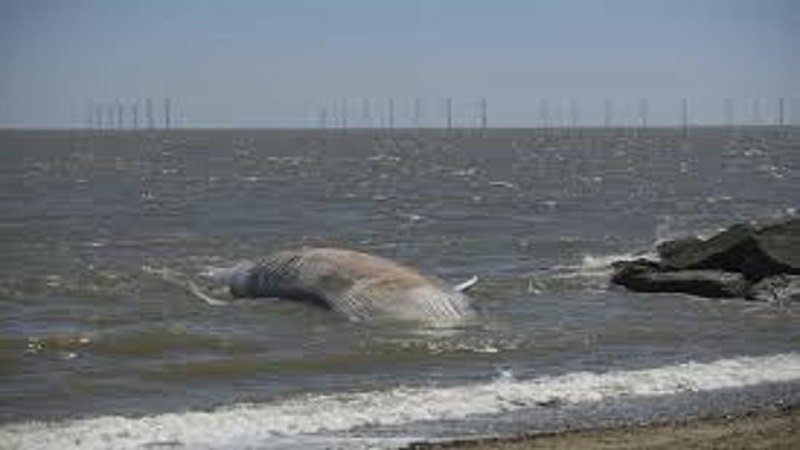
(650, 277)
(779, 289)
(756, 252)
(757, 262)
(640, 264)
(779, 245)
(725, 251)
(672, 250)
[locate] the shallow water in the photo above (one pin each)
(89, 333)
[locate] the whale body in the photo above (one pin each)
(360, 286)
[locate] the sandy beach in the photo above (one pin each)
(772, 430)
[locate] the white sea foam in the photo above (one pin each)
(262, 425)
(595, 263)
(596, 267)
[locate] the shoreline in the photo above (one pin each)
(772, 429)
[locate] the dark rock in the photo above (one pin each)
(640, 264)
(757, 262)
(776, 289)
(779, 246)
(552, 402)
(641, 277)
(726, 251)
(675, 249)
(756, 252)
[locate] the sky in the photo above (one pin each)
(284, 63)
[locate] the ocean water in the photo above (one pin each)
(98, 351)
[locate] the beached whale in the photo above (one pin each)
(360, 286)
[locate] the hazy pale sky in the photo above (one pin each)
(278, 62)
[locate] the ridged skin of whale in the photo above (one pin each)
(360, 286)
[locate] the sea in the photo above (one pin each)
(99, 350)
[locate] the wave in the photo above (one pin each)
(311, 417)
(591, 272)
(598, 264)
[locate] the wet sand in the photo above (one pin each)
(773, 430)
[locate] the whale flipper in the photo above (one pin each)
(461, 287)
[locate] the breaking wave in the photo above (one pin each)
(311, 417)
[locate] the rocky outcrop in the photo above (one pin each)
(746, 260)
(706, 283)
(754, 251)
